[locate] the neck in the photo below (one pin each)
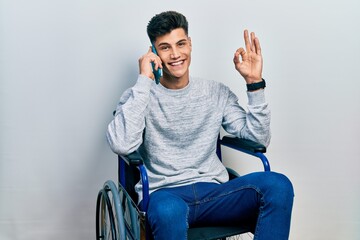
(172, 82)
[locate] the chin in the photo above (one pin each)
(178, 75)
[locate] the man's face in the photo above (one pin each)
(174, 49)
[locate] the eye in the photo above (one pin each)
(181, 44)
(164, 48)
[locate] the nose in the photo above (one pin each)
(175, 53)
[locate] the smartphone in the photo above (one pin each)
(158, 72)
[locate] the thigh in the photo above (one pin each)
(167, 213)
(166, 205)
(235, 202)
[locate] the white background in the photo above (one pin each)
(65, 63)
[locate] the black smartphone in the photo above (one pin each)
(158, 72)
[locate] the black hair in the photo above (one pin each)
(164, 23)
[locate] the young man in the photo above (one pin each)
(175, 125)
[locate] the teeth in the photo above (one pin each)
(176, 63)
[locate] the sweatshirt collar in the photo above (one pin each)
(175, 92)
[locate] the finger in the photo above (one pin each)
(158, 62)
(236, 56)
(243, 54)
(257, 46)
(247, 40)
(153, 58)
(154, 63)
(252, 35)
(150, 50)
(240, 53)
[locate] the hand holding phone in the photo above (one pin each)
(158, 72)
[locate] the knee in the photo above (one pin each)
(279, 187)
(282, 182)
(166, 209)
(167, 213)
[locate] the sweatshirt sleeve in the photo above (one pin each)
(124, 133)
(253, 124)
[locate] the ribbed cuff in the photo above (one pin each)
(256, 97)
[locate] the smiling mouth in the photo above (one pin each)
(176, 63)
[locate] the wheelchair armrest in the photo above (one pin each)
(133, 159)
(247, 146)
(240, 143)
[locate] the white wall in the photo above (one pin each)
(65, 63)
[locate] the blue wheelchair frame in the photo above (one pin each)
(121, 198)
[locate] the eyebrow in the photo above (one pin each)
(165, 43)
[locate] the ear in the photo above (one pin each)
(189, 38)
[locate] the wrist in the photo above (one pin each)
(256, 85)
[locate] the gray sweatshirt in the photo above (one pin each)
(176, 130)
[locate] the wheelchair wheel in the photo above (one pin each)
(132, 214)
(105, 223)
(109, 214)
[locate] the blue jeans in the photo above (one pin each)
(261, 200)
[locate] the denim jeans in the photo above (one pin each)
(261, 200)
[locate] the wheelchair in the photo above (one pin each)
(118, 217)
